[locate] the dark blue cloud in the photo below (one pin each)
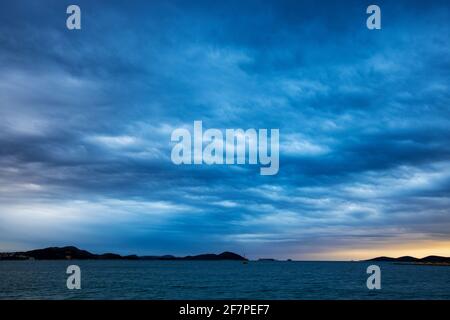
(86, 118)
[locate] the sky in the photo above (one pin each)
(86, 118)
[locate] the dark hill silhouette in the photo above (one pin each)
(55, 253)
(209, 256)
(384, 259)
(435, 259)
(73, 253)
(223, 256)
(400, 259)
(408, 259)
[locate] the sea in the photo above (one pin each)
(121, 279)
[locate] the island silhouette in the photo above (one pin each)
(73, 253)
(435, 260)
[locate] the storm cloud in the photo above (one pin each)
(86, 118)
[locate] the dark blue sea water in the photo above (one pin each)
(220, 280)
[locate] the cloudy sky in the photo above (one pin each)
(364, 118)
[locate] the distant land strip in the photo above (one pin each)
(429, 260)
(73, 253)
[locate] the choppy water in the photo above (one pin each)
(220, 280)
